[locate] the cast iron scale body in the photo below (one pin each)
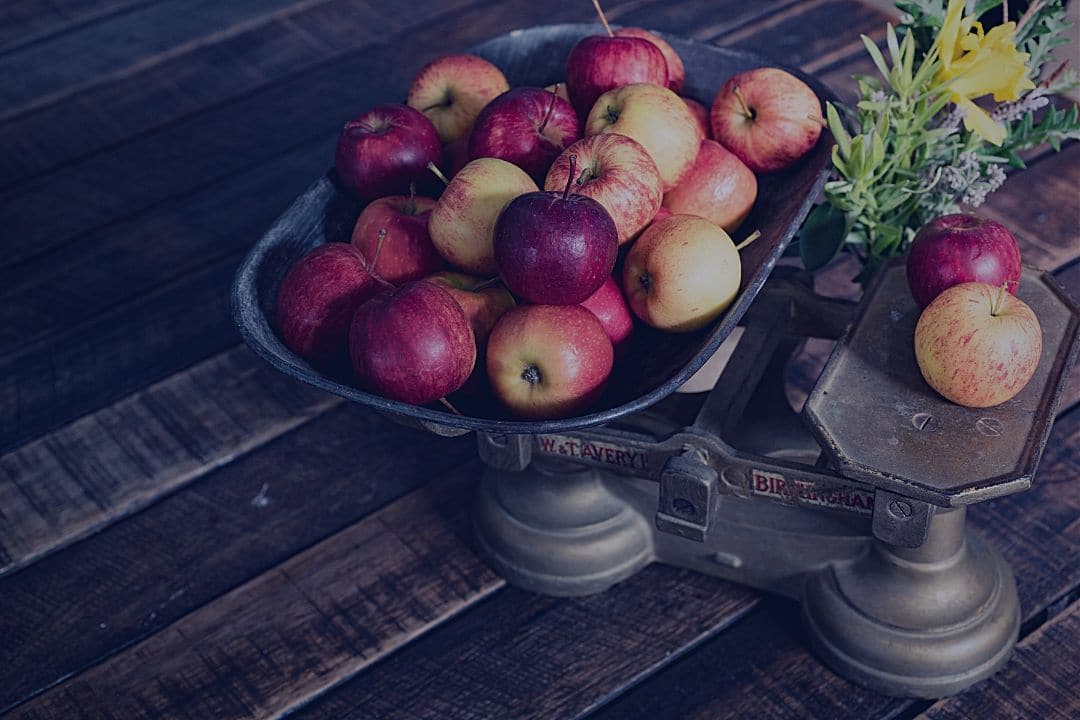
(856, 508)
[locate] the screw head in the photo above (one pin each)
(900, 509)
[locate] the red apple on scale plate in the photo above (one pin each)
(656, 118)
(959, 248)
(977, 345)
(412, 343)
(610, 308)
(682, 273)
(385, 150)
(768, 117)
(525, 126)
(718, 187)
(453, 89)
(599, 63)
(618, 173)
(676, 72)
(395, 230)
(548, 361)
(463, 219)
(317, 299)
(555, 248)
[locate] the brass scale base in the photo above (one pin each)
(896, 594)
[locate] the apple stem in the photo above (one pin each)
(550, 110)
(490, 282)
(584, 177)
(999, 299)
(449, 407)
(749, 239)
(603, 20)
(438, 173)
(375, 260)
(817, 119)
(570, 175)
(742, 103)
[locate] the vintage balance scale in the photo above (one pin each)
(856, 508)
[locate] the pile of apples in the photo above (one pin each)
(509, 278)
(976, 343)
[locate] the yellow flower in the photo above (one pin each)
(974, 64)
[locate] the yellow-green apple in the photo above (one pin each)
(482, 302)
(600, 63)
(701, 117)
(526, 126)
(768, 117)
(317, 299)
(453, 89)
(555, 248)
(615, 171)
(681, 273)
(657, 118)
(718, 187)
(959, 248)
(463, 219)
(385, 150)
(610, 308)
(392, 234)
(548, 361)
(676, 71)
(977, 345)
(412, 343)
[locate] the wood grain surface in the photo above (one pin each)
(185, 533)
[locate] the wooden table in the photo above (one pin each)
(185, 533)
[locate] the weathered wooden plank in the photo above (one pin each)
(528, 656)
(30, 21)
(236, 62)
(1069, 277)
(761, 668)
(103, 466)
(206, 230)
(1039, 682)
(300, 626)
(125, 583)
(52, 68)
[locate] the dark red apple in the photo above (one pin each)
(600, 63)
(555, 248)
(610, 308)
(406, 251)
(959, 248)
(317, 299)
(385, 150)
(412, 343)
(548, 361)
(526, 126)
(768, 117)
(676, 71)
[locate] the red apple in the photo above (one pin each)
(600, 63)
(681, 273)
(615, 171)
(676, 72)
(657, 118)
(718, 187)
(385, 150)
(317, 299)
(406, 252)
(548, 361)
(959, 248)
(662, 213)
(457, 155)
(483, 304)
(701, 117)
(526, 126)
(453, 89)
(767, 117)
(610, 308)
(463, 219)
(412, 343)
(977, 345)
(555, 248)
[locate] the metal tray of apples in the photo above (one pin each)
(654, 363)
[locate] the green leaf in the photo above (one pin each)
(876, 56)
(822, 236)
(983, 6)
(836, 127)
(893, 45)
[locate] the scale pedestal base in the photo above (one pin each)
(924, 622)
